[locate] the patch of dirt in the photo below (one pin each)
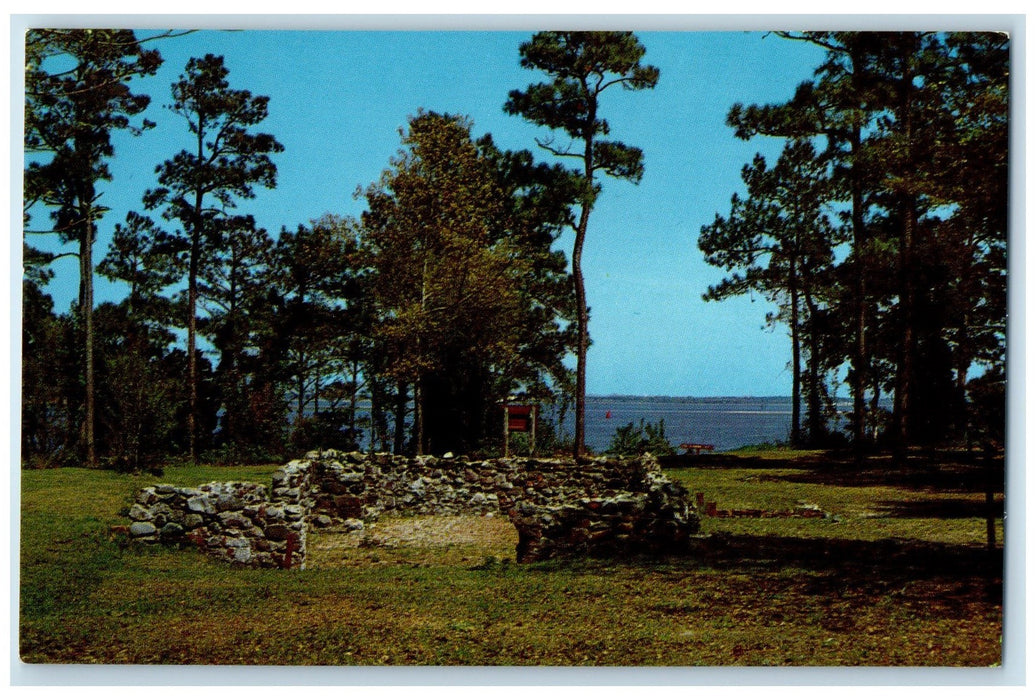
(440, 531)
(463, 534)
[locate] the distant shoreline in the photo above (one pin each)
(654, 397)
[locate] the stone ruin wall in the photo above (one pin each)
(600, 506)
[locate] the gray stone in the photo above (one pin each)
(140, 513)
(229, 502)
(171, 531)
(162, 510)
(321, 521)
(142, 529)
(234, 519)
(200, 504)
(278, 532)
(353, 524)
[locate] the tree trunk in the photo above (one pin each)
(859, 355)
(400, 419)
(300, 400)
(192, 362)
(86, 301)
(418, 418)
(354, 370)
(582, 342)
(908, 213)
(905, 364)
(796, 377)
(816, 425)
(582, 312)
(192, 307)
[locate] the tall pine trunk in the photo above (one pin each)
(860, 361)
(192, 308)
(582, 330)
(908, 213)
(796, 363)
(399, 432)
(814, 414)
(582, 312)
(192, 361)
(86, 309)
(905, 362)
(418, 417)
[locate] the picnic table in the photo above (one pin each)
(696, 447)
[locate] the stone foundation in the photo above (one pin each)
(600, 506)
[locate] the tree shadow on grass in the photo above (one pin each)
(944, 508)
(952, 471)
(953, 478)
(889, 560)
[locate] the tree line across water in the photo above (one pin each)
(879, 235)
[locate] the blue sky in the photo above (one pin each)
(338, 99)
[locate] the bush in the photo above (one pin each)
(327, 430)
(648, 437)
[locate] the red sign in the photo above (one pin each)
(519, 418)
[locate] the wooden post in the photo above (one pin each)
(532, 428)
(507, 431)
(990, 470)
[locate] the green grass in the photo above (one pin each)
(768, 450)
(865, 512)
(878, 587)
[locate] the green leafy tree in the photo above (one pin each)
(458, 245)
(779, 241)
(324, 326)
(973, 240)
(904, 114)
(149, 261)
(835, 105)
(76, 94)
(136, 390)
(197, 187)
(582, 65)
(233, 285)
(139, 407)
(50, 387)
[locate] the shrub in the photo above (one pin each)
(647, 437)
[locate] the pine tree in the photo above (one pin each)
(198, 186)
(76, 95)
(582, 65)
(780, 241)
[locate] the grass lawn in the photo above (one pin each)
(897, 574)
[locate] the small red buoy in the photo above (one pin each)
(608, 414)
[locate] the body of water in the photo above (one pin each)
(725, 422)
